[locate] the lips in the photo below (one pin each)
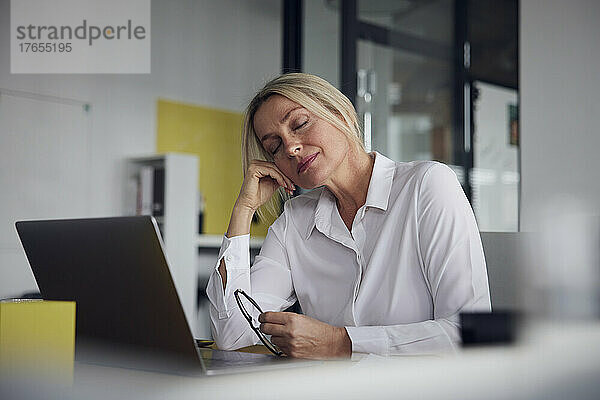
(306, 163)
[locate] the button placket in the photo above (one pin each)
(360, 235)
(348, 241)
(359, 262)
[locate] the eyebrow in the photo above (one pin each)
(285, 118)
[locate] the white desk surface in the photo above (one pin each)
(552, 361)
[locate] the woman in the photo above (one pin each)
(382, 256)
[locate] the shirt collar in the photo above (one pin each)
(378, 194)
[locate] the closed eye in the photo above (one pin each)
(276, 148)
(301, 125)
(279, 145)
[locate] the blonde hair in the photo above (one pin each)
(316, 95)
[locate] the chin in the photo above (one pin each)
(314, 179)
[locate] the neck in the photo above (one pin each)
(351, 183)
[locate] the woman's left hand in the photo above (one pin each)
(304, 337)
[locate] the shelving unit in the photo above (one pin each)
(191, 255)
(179, 220)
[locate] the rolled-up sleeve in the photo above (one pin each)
(236, 253)
(269, 282)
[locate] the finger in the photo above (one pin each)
(279, 178)
(273, 329)
(288, 182)
(289, 185)
(273, 317)
(282, 343)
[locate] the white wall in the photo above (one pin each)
(560, 108)
(210, 52)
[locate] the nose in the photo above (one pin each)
(292, 146)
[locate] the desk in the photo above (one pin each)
(553, 361)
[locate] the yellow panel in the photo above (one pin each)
(38, 337)
(215, 136)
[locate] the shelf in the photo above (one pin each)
(154, 160)
(214, 241)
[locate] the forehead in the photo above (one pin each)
(269, 114)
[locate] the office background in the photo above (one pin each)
(216, 54)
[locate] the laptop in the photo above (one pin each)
(128, 310)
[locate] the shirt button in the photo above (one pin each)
(229, 258)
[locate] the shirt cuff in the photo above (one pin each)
(236, 251)
(369, 339)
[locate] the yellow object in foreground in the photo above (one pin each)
(37, 338)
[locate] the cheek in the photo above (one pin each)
(331, 137)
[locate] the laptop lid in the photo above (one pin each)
(115, 270)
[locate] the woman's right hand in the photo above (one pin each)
(260, 182)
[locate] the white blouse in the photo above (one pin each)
(397, 281)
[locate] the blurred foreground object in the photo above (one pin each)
(480, 328)
(37, 339)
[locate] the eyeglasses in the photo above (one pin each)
(239, 292)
